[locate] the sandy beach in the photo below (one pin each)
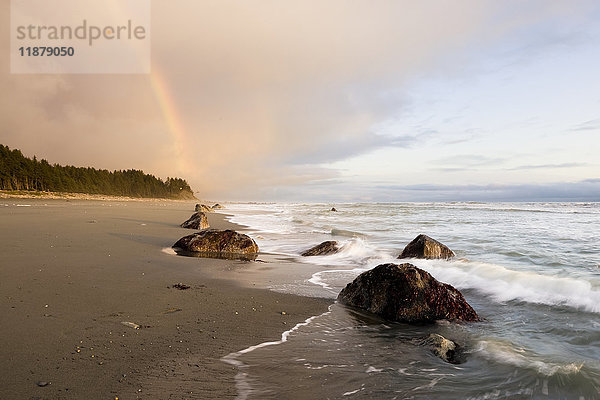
(73, 271)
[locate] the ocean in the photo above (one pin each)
(530, 270)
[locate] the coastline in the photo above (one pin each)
(73, 272)
(26, 194)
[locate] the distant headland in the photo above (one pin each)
(20, 174)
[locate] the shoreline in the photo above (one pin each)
(72, 275)
(26, 194)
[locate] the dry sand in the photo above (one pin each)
(71, 272)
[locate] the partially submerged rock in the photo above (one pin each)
(323, 249)
(425, 247)
(333, 209)
(443, 348)
(203, 208)
(217, 206)
(198, 220)
(215, 243)
(406, 293)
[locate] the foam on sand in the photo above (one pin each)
(242, 384)
(505, 353)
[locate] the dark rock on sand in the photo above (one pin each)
(323, 249)
(217, 207)
(198, 220)
(203, 208)
(181, 286)
(425, 247)
(444, 348)
(217, 244)
(333, 209)
(406, 293)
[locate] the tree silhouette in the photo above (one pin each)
(18, 172)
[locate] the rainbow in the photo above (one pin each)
(166, 103)
(172, 118)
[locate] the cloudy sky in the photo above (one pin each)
(337, 101)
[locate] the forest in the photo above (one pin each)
(18, 172)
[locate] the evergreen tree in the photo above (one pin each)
(18, 172)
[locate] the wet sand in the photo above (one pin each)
(71, 272)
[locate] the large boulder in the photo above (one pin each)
(406, 293)
(425, 247)
(323, 249)
(202, 208)
(216, 243)
(196, 221)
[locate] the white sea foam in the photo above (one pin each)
(503, 284)
(347, 233)
(331, 279)
(168, 250)
(242, 384)
(548, 243)
(430, 385)
(266, 218)
(353, 392)
(506, 353)
(352, 252)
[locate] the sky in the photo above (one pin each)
(335, 101)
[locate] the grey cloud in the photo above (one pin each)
(469, 159)
(591, 125)
(338, 148)
(587, 190)
(548, 166)
(458, 140)
(466, 162)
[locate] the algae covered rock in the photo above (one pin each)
(202, 208)
(217, 244)
(323, 249)
(406, 293)
(198, 220)
(444, 348)
(425, 247)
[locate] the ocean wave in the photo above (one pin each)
(347, 233)
(552, 208)
(506, 353)
(352, 252)
(503, 284)
(357, 248)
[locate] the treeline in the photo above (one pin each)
(18, 172)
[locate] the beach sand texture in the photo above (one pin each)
(72, 272)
